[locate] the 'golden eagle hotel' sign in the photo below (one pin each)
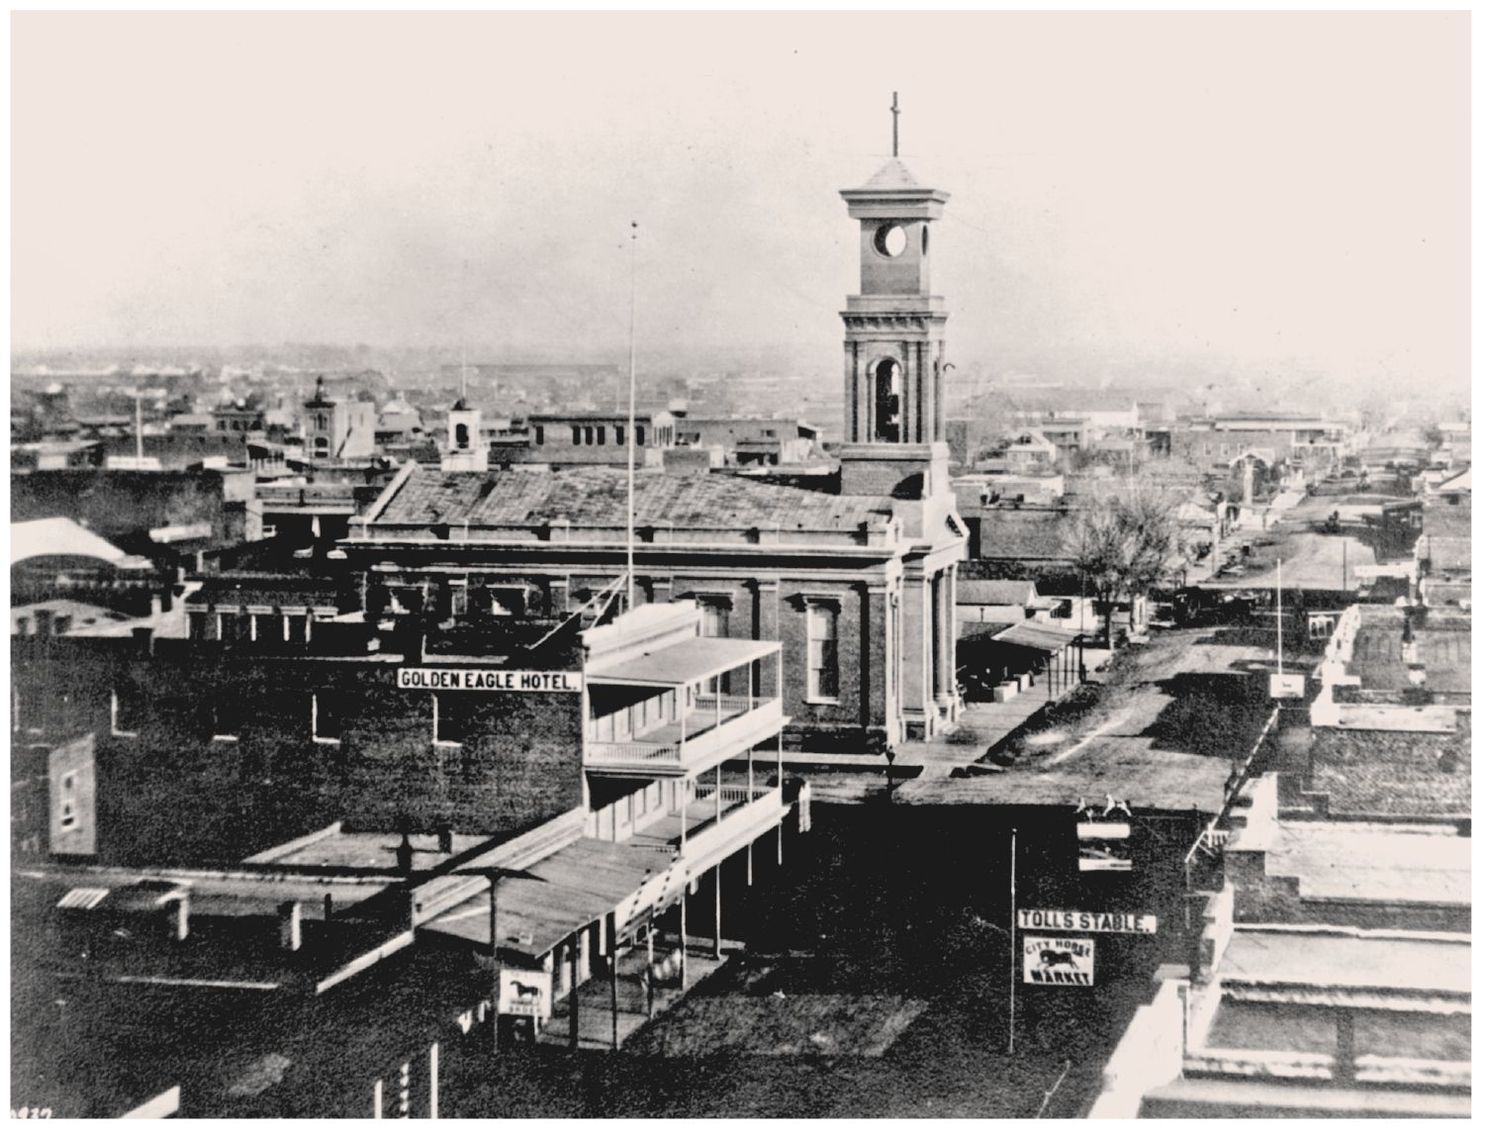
(489, 680)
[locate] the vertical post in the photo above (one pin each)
(614, 986)
(718, 794)
(377, 1100)
(630, 446)
(495, 974)
(139, 431)
(573, 992)
(718, 912)
(1012, 954)
(683, 789)
(682, 926)
(1280, 665)
(650, 962)
(434, 1080)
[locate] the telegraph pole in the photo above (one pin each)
(1012, 955)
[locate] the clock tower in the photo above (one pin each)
(894, 444)
(895, 342)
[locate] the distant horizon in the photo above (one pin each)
(1124, 187)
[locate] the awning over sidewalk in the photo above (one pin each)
(558, 896)
(697, 659)
(1034, 635)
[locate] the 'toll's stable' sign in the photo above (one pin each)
(1078, 921)
(488, 680)
(1058, 961)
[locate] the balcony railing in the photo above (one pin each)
(694, 830)
(717, 728)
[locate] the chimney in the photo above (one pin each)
(178, 914)
(405, 856)
(290, 937)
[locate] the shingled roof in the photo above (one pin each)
(1015, 535)
(595, 496)
(1443, 645)
(1406, 774)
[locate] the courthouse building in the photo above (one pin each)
(853, 572)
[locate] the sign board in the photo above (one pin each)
(1096, 828)
(526, 992)
(1104, 844)
(488, 680)
(1058, 961)
(1078, 921)
(1288, 686)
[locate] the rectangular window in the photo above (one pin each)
(537, 434)
(577, 435)
(588, 436)
(227, 720)
(715, 624)
(67, 809)
(122, 719)
(821, 666)
(639, 436)
(599, 431)
(325, 717)
(451, 721)
(619, 436)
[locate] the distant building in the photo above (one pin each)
(341, 430)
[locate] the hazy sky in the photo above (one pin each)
(1256, 188)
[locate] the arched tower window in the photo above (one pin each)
(462, 436)
(887, 385)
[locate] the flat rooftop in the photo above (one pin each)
(1423, 964)
(1373, 861)
(366, 852)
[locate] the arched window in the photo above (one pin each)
(462, 436)
(887, 380)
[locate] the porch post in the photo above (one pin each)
(683, 790)
(614, 985)
(650, 962)
(573, 991)
(718, 794)
(718, 912)
(683, 927)
(495, 975)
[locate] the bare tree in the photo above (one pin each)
(1124, 546)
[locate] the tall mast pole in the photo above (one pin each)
(1012, 954)
(1280, 664)
(139, 431)
(894, 109)
(464, 304)
(630, 441)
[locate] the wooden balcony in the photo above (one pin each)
(716, 728)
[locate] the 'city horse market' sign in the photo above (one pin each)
(488, 680)
(1058, 961)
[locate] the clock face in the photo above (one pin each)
(890, 240)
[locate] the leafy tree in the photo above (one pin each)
(1123, 545)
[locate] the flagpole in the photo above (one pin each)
(1012, 955)
(1280, 664)
(630, 451)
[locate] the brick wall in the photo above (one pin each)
(172, 793)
